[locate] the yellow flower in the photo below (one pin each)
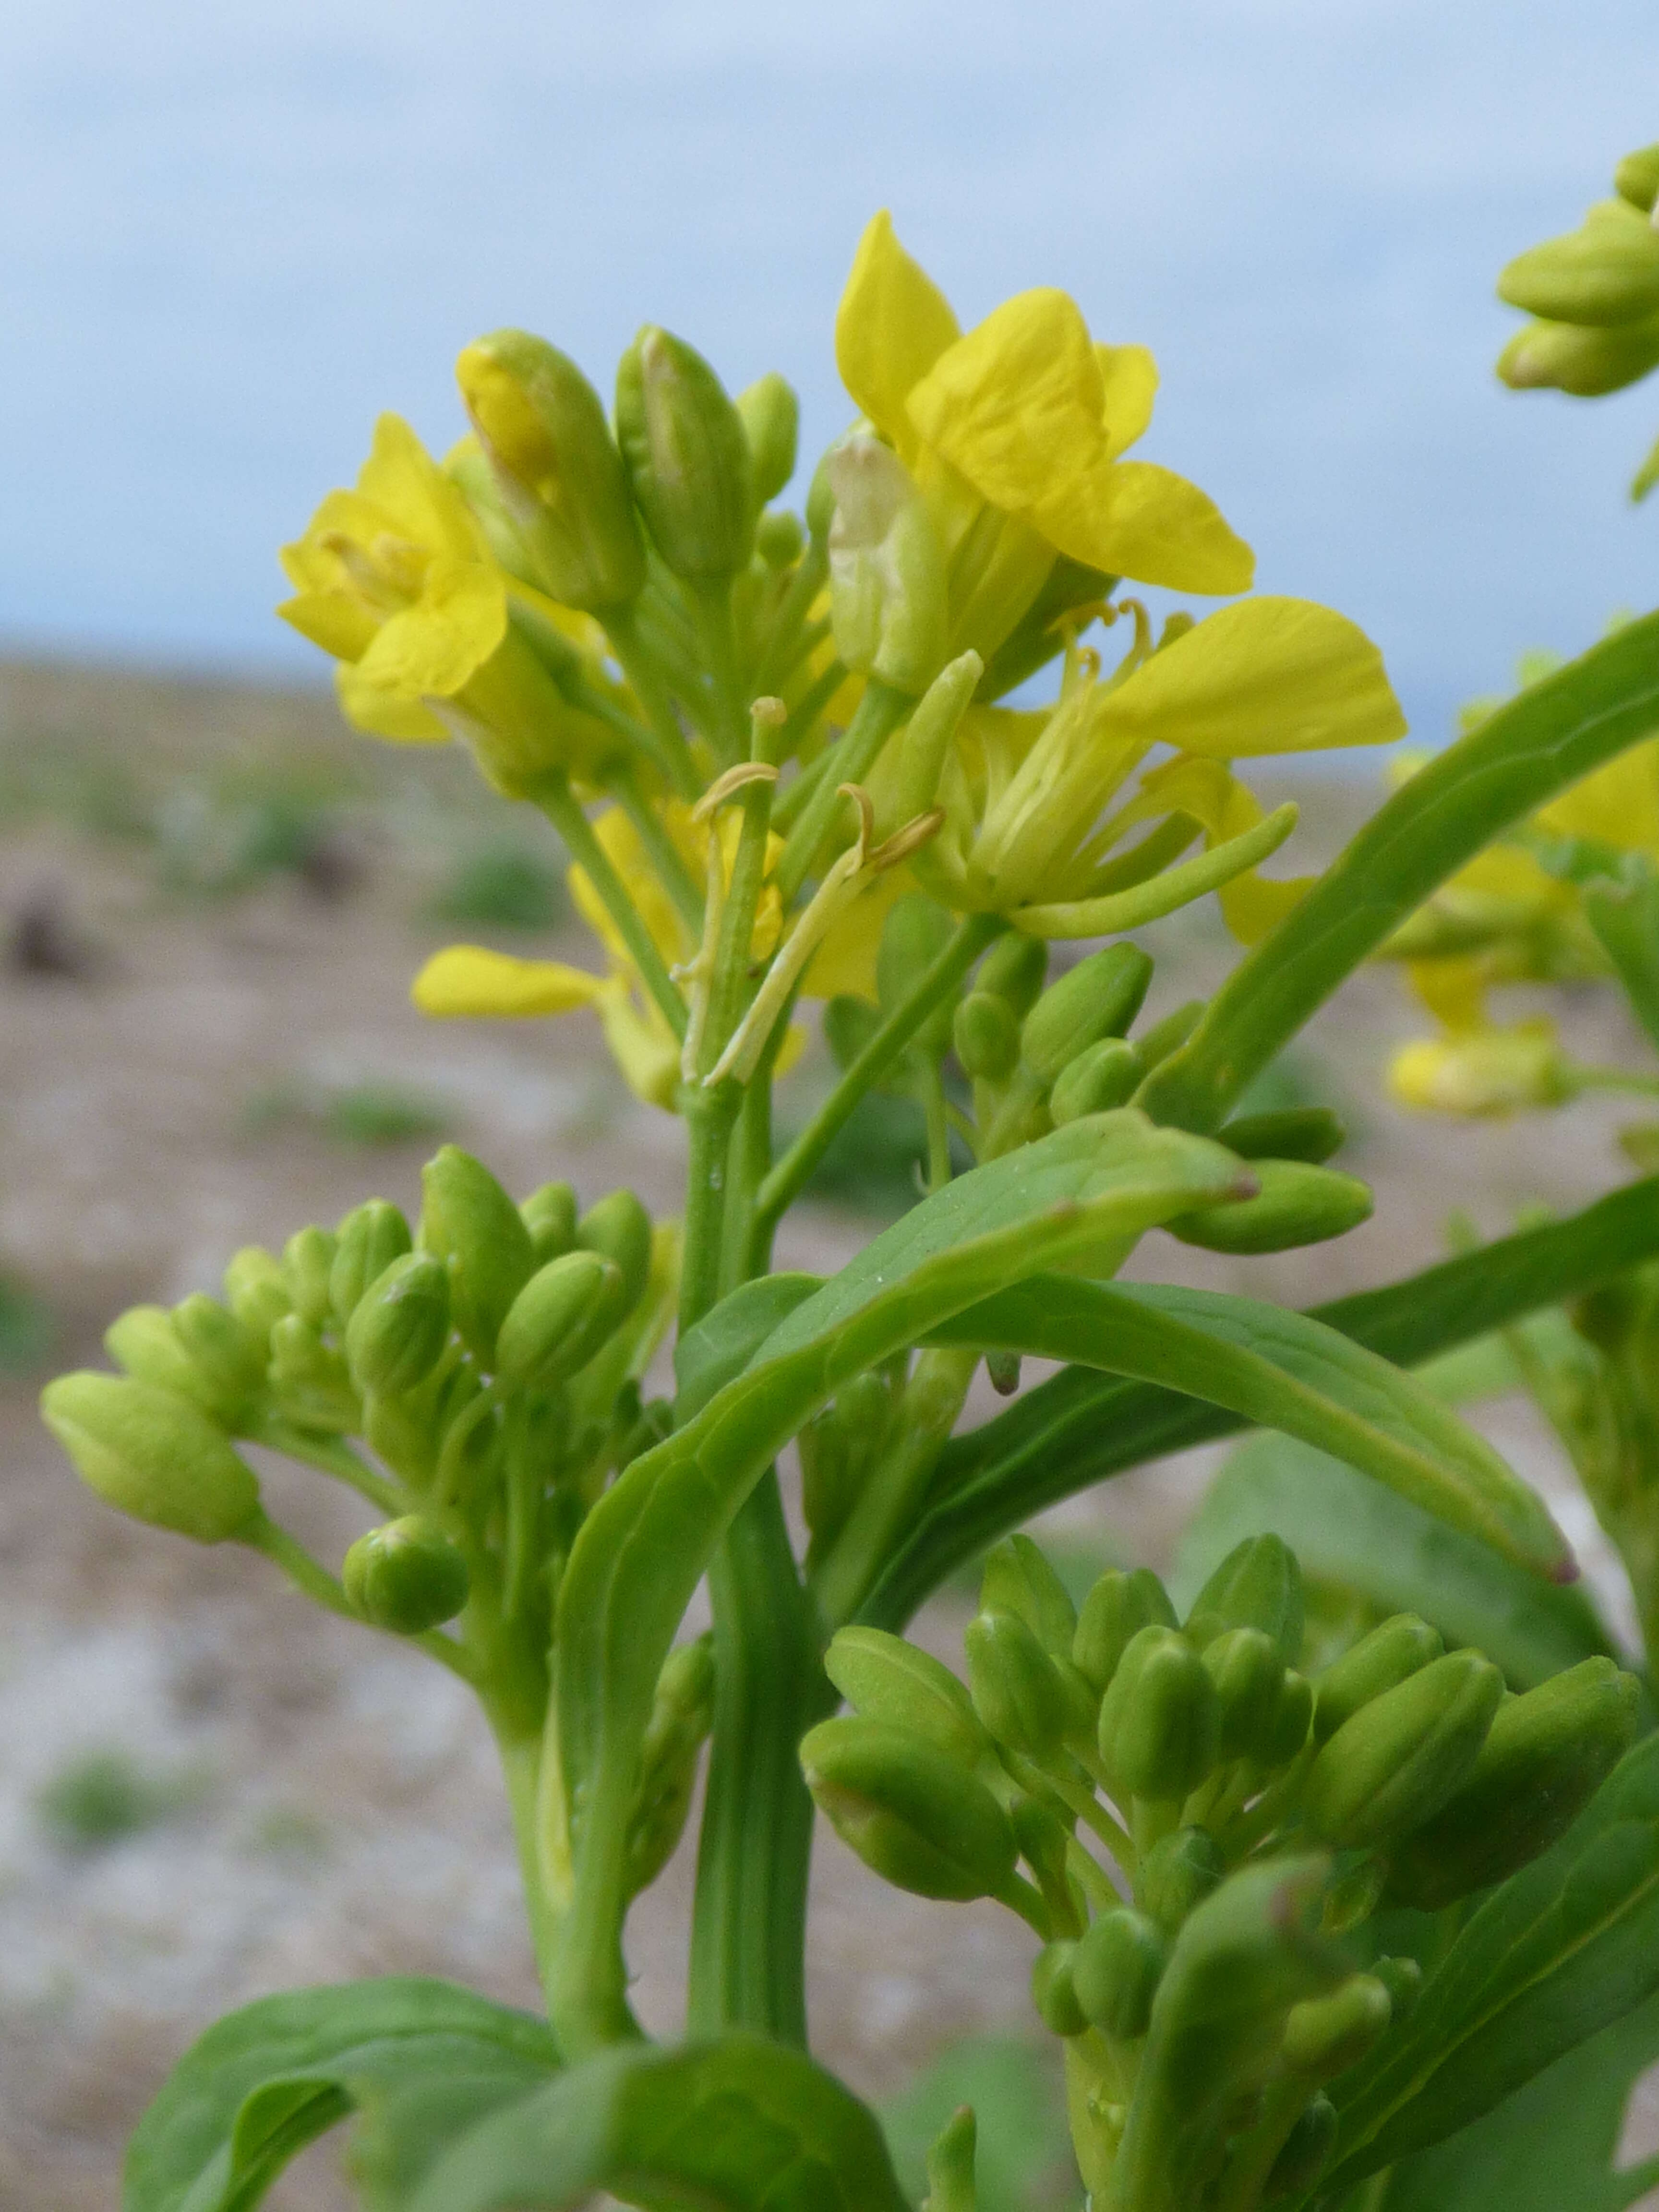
(1013, 436)
(397, 579)
(1485, 1071)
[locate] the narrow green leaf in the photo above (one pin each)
(721, 1345)
(735, 2126)
(418, 2061)
(1544, 739)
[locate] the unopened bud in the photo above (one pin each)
(257, 1291)
(1394, 1650)
(925, 746)
(1052, 1992)
(1121, 1603)
(400, 1325)
(1015, 969)
(1398, 1761)
(549, 1215)
(1637, 179)
(1305, 2152)
(1257, 1585)
(1017, 1578)
(908, 1810)
(779, 538)
(1604, 272)
(548, 1331)
(681, 1714)
(1295, 1204)
(1588, 363)
(468, 1222)
(1294, 1719)
(1016, 1693)
(770, 415)
(619, 1229)
(1160, 1721)
(687, 456)
(1324, 2036)
(885, 1679)
(986, 1036)
(313, 1385)
(1107, 1075)
(543, 426)
(1043, 1837)
(308, 1262)
(143, 1342)
(1114, 1972)
(368, 1240)
(1299, 1133)
(1248, 1674)
(229, 1356)
(887, 578)
(1099, 998)
(407, 1576)
(152, 1454)
(1546, 1754)
(1178, 1874)
(1402, 1979)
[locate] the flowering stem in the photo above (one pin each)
(660, 849)
(793, 608)
(673, 753)
(558, 801)
(854, 753)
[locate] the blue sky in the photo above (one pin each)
(230, 232)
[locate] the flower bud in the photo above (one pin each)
(1257, 1585)
(1637, 179)
(1248, 1676)
(1293, 1720)
(1043, 1837)
(1353, 1896)
(1121, 1603)
(1324, 2036)
(1395, 1650)
(312, 1382)
(407, 1576)
(143, 1342)
(1177, 1875)
(308, 1262)
(681, 1714)
(1305, 2152)
(257, 1292)
(227, 1355)
(1017, 1578)
(1099, 998)
(1297, 1203)
(1401, 1756)
(549, 1215)
(468, 1222)
(1588, 363)
(1051, 1992)
(885, 1679)
(619, 1229)
(1105, 1076)
(908, 1810)
(887, 587)
(1547, 1754)
(1114, 1972)
(770, 415)
(562, 478)
(396, 1334)
(1299, 1133)
(1160, 1721)
(779, 538)
(1015, 969)
(1016, 1693)
(925, 746)
(986, 1036)
(548, 1333)
(687, 457)
(1607, 272)
(368, 1240)
(1403, 1980)
(152, 1454)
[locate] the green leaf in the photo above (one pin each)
(1549, 2148)
(721, 1345)
(418, 2061)
(735, 2126)
(1544, 739)
(1081, 1427)
(1017, 2091)
(1556, 1954)
(1347, 1530)
(1085, 1192)
(1283, 1371)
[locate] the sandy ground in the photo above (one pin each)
(333, 1806)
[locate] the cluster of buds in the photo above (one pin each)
(1205, 1833)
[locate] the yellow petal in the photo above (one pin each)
(892, 325)
(382, 714)
(643, 1048)
(470, 980)
(429, 650)
(1618, 805)
(341, 624)
(1252, 905)
(402, 479)
(1130, 376)
(1266, 676)
(844, 965)
(1453, 990)
(1133, 519)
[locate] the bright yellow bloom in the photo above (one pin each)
(1485, 1071)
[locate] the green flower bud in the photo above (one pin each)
(1114, 1972)
(1177, 1875)
(1160, 1720)
(1395, 1650)
(308, 1262)
(770, 415)
(1299, 1133)
(1295, 1204)
(1121, 1604)
(1156, 1044)
(407, 1576)
(1606, 271)
(1018, 1579)
(687, 457)
(1637, 179)
(549, 1215)
(887, 576)
(1052, 1992)
(152, 1454)
(396, 1334)
(1399, 1759)
(1403, 1980)
(1105, 1076)
(908, 1810)
(1257, 1585)
(915, 932)
(681, 1716)
(225, 1352)
(468, 1222)
(257, 1292)
(924, 747)
(368, 1240)
(1547, 1754)
(1294, 1719)
(779, 538)
(820, 499)
(143, 1342)
(548, 1333)
(885, 1679)
(951, 2183)
(1099, 998)
(1588, 363)
(1353, 1897)
(1016, 1693)
(619, 1229)
(986, 1036)
(313, 1385)
(1324, 2036)
(1015, 969)
(1248, 1674)
(1305, 2152)
(543, 426)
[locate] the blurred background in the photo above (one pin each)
(228, 237)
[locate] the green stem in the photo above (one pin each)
(335, 1457)
(521, 1757)
(938, 1127)
(794, 607)
(660, 849)
(558, 802)
(710, 1116)
(714, 636)
(673, 754)
(853, 755)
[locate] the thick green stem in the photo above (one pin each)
(710, 1115)
(853, 755)
(558, 802)
(521, 1767)
(794, 607)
